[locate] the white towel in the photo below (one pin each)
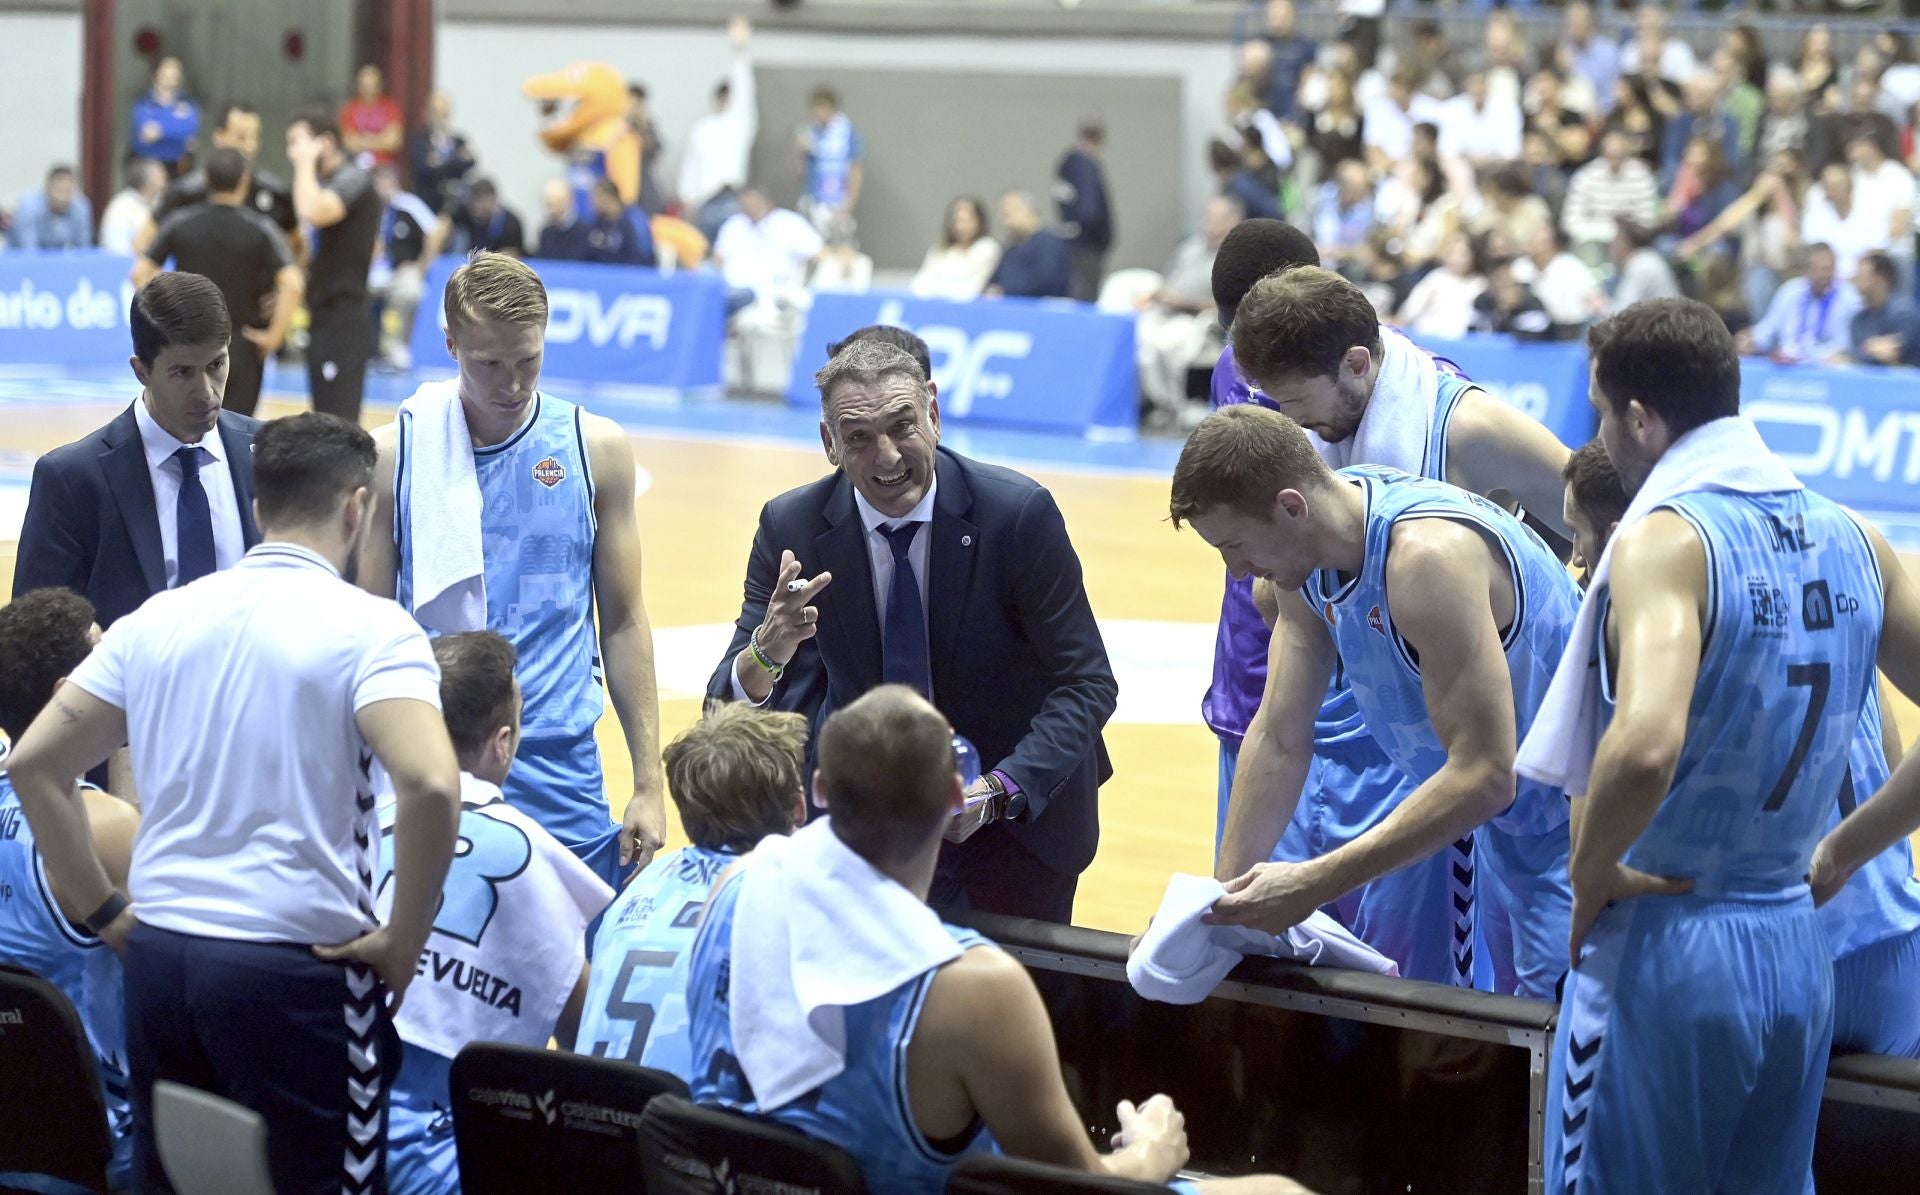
(816, 930)
(443, 511)
(1399, 416)
(1180, 960)
(1725, 455)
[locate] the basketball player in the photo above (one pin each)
(1873, 923)
(735, 778)
(43, 636)
(958, 1060)
(1447, 615)
(506, 960)
(1735, 632)
(560, 543)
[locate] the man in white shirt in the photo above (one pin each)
(128, 212)
(1480, 128)
(1881, 184)
(255, 702)
(1810, 318)
(1651, 50)
(1387, 123)
(1567, 289)
(1836, 217)
(765, 251)
(713, 167)
(164, 493)
(1615, 186)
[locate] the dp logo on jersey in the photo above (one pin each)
(549, 472)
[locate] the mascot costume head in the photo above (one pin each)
(583, 111)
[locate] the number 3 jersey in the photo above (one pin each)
(1794, 607)
(637, 996)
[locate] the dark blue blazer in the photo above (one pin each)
(91, 525)
(1016, 657)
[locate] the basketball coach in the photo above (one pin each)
(915, 565)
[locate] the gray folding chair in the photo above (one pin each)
(210, 1145)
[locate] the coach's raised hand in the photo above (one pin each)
(791, 620)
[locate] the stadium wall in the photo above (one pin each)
(40, 77)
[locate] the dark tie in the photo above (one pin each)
(193, 526)
(903, 652)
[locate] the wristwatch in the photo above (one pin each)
(1009, 803)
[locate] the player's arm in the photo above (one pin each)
(566, 1029)
(1493, 447)
(112, 824)
(1659, 599)
(1893, 813)
(379, 553)
(983, 1023)
(72, 735)
(315, 204)
(1890, 744)
(1278, 748)
(626, 637)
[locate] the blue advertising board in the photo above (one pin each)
(1035, 363)
(1547, 380)
(622, 324)
(1852, 434)
(64, 308)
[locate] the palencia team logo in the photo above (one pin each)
(549, 472)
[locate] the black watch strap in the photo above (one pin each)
(103, 916)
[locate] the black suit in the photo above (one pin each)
(1014, 654)
(91, 525)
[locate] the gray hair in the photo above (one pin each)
(869, 361)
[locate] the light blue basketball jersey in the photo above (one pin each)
(1794, 608)
(1882, 900)
(637, 993)
(865, 1109)
(1382, 668)
(36, 936)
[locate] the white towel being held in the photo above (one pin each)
(1725, 455)
(1181, 959)
(1399, 417)
(817, 930)
(443, 511)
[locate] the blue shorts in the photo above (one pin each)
(1692, 1049)
(1876, 999)
(1229, 764)
(559, 783)
(421, 1155)
(1524, 905)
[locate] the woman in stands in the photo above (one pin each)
(960, 263)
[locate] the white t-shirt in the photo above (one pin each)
(1862, 230)
(240, 692)
(770, 256)
(127, 213)
(1492, 132)
(1888, 190)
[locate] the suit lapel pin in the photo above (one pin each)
(966, 541)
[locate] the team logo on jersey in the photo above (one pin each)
(549, 472)
(1374, 620)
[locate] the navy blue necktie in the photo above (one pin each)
(193, 520)
(903, 650)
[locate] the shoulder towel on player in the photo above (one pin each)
(443, 511)
(1180, 959)
(1399, 417)
(1725, 455)
(816, 931)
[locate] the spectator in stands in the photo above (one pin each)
(831, 162)
(1634, 114)
(128, 212)
(562, 236)
(1613, 187)
(677, 244)
(764, 252)
(1886, 329)
(1810, 318)
(1479, 127)
(1232, 177)
(438, 156)
(1509, 306)
(959, 265)
(371, 124)
(1703, 187)
(1767, 221)
(1835, 217)
(1784, 124)
(1421, 214)
(1701, 117)
(1720, 287)
(1567, 289)
(1511, 211)
(1086, 209)
(57, 216)
(841, 267)
(1034, 263)
(1291, 55)
(1336, 131)
(1175, 321)
(1441, 304)
(1546, 175)
(1900, 83)
(1343, 218)
(653, 149)
(617, 235)
(1432, 59)
(1652, 52)
(1566, 129)
(1885, 185)
(483, 222)
(165, 120)
(411, 237)
(1595, 56)
(1640, 272)
(1815, 65)
(1832, 133)
(1742, 100)
(1387, 127)
(713, 165)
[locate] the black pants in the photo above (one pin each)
(1089, 270)
(245, 369)
(305, 1043)
(995, 874)
(339, 343)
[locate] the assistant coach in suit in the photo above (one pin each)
(958, 579)
(162, 495)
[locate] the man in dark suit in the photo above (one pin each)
(163, 494)
(954, 577)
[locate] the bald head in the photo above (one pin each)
(887, 774)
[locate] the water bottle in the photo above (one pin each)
(966, 761)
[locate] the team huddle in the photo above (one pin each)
(350, 748)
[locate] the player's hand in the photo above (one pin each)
(1826, 875)
(1156, 1129)
(643, 828)
(393, 960)
(116, 933)
(791, 618)
(1592, 894)
(264, 340)
(303, 148)
(964, 824)
(1272, 898)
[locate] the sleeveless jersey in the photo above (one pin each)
(1882, 900)
(536, 534)
(1794, 606)
(586, 166)
(864, 1109)
(637, 996)
(36, 936)
(1383, 669)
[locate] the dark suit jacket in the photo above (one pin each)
(1017, 662)
(91, 525)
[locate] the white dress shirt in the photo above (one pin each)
(719, 144)
(216, 477)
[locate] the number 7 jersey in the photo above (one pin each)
(1794, 609)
